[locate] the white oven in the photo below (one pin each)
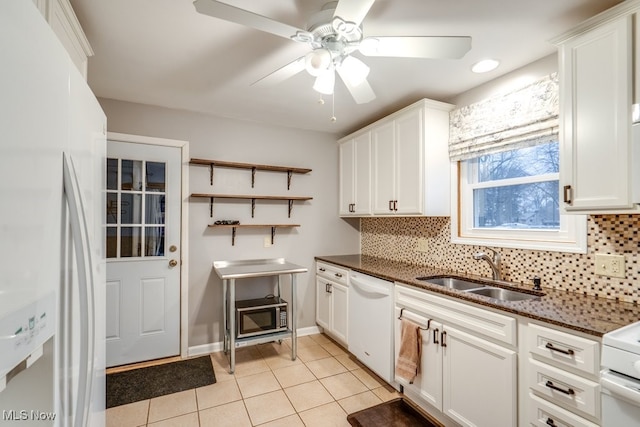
(620, 377)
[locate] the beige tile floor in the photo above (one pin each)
(268, 389)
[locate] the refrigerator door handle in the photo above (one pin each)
(80, 233)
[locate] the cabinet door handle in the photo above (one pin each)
(552, 386)
(436, 331)
(551, 423)
(443, 338)
(329, 285)
(390, 205)
(559, 350)
(395, 205)
(567, 194)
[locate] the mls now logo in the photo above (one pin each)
(24, 415)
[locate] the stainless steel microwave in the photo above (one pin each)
(260, 316)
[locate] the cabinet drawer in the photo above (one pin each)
(545, 414)
(477, 320)
(332, 272)
(564, 349)
(566, 389)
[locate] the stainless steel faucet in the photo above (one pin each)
(494, 262)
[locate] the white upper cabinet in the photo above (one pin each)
(409, 164)
(355, 176)
(597, 96)
(62, 19)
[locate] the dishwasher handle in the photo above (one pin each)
(369, 287)
(618, 388)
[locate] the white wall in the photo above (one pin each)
(321, 232)
(508, 82)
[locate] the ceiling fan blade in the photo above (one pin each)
(362, 93)
(244, 17)
(281, 74)
(416, 47)
(353, 10)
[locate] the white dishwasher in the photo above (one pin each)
(371, 323)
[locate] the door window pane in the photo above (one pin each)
(131, 208)
(112, 208)
(154, 209)
(155, 176)
(130, 242)
(154, 241)
(131, 175)
(112, 174)
(112, 242)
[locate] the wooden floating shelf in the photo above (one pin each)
(253, 199)
(233, 228)
(289, 170)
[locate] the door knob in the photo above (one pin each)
(173, 263)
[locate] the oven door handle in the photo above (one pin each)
(617, 388)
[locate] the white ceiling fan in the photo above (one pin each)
(333, 34)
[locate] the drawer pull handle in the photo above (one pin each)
(551, 423)
(569, 392)
(559, 350)
(338, 275)
(322, 269)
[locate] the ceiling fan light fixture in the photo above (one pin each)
(317, 61)
(354, 69)
(325, 82)
(485, 66)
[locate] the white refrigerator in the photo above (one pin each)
(52, 210)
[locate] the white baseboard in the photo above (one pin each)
(215, 347)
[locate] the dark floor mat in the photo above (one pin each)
(153, 381)
(395, 413)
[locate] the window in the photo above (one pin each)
(511, 199)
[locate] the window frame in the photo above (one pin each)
(571, 237)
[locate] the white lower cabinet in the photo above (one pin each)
(464, 374)
(562, 375)
(332, 303)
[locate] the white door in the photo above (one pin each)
(143, 252)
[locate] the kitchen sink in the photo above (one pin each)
(502, 294)
(483, 289)
(452, 283)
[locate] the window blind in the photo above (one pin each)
(524, 117)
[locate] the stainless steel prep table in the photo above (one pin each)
(229, 271)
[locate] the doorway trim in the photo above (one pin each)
(184, 228)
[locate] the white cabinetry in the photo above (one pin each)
(409, 163)
(466, 352)
(332, 302)
(596, 72)
(355, 175)
(563, 378)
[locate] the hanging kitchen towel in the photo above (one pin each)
(408, 365)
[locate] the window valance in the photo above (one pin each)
(523, 117)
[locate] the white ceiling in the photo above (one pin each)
(164, 53)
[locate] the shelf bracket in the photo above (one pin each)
(211, 174)
(211, 207)
(273, 233)
(289, 175)
(253, 207)
(253, 176)
(290, 207)
(233, 236)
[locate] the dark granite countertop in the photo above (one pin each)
(584, 313)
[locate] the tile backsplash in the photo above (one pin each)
(398, 239)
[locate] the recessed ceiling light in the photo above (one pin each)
(485, 65)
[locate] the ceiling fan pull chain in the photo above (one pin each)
(333, 107)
